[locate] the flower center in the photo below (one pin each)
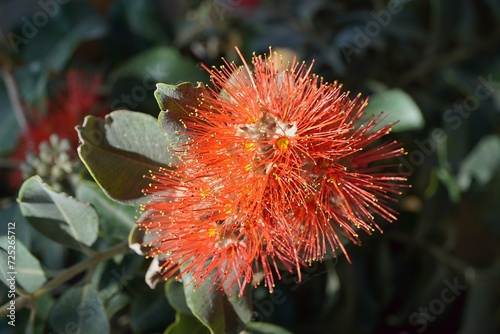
(282, 143)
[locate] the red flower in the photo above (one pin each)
(80, 98)
(249, 3)
(275, 171)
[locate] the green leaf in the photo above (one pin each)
(173, 101)
(206, 303)
(79, 310)
(116, 219)
(9, 128)
(449, 181)
(481, 163)
(39, 312)
(186, 324)
(399, 106)
(150, 311)
(216, 310)
(480, 307)
(116, 303)
(11, 212)
(15, 257)
(175, 98)
(115, 280)
(57, 216)
(54, 45)
(43, 306)
(144, 19)
(120, 149)
(173, 131)
(175, 295)
(117, 275)
(242, 305)
(265, 328)
(159, 64)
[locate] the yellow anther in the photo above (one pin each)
(282, 143)
(250, 146)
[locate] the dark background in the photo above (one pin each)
(437, 269)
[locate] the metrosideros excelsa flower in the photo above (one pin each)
(277, 172)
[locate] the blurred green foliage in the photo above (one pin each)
(433, 64)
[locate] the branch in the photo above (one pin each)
(65, 276)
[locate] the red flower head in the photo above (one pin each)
(79, 98)
(276, 169)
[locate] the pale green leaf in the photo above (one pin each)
(397, 106)
(17, 262)
(79, 310)
(58, 216)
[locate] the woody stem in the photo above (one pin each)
(22, 301)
